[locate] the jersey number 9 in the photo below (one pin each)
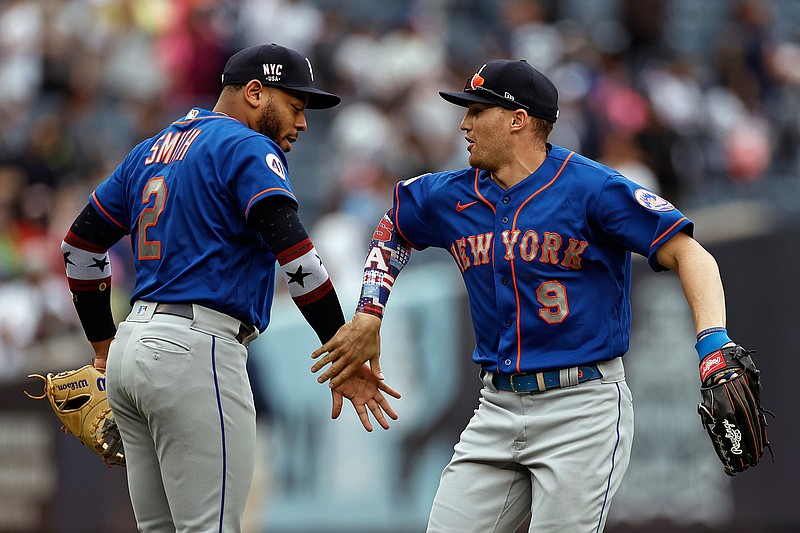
(553, 297)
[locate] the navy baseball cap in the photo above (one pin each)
(277, 66)
(511, 84)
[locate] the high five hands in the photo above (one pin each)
(347, 351)
(363, 389)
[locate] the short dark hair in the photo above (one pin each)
(542, 128)
(233, 87)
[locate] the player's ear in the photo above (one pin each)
(253, 92)
(518, 118)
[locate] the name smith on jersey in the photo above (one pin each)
(172, 146)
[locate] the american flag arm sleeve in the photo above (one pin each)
(388, 254)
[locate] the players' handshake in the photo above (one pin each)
(363, 389)
(347, 352)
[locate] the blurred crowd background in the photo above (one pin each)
(698, 100)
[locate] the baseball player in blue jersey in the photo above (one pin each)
(210, 209)
(543, 238)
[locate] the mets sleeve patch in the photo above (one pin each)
(652, 201)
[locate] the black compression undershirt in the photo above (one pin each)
(276, 220)
(91, 227)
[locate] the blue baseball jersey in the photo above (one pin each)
(546, 263)
(184, 195)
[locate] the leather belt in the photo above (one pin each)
(182, 310)
(540, 381)
(187, 311)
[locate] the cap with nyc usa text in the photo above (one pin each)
(513, 84)
(277, 66)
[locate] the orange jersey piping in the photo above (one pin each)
(94, 195)
(265, 191)
(667, 232)
(487, 202)
(397, 216)
(513, 270)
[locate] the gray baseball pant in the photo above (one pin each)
(181, 396)
(557, 455)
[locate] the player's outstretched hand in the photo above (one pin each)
(363, 389)
(356, 342)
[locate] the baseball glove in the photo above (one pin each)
(731, 409)
(79, 400)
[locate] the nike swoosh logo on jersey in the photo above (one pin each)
(460, 207)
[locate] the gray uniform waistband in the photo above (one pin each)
(202, 319)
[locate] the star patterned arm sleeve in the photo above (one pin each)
(388, 254)
(311, 289)
(88, 267)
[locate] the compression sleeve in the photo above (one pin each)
(88, 269)
(388, 254)
(311, 289)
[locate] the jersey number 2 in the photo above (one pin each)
(149, 217)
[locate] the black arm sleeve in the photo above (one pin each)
(93, 300)
(94, 312)
(277, 221)
(92, 228)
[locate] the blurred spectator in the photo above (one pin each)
(12, 181)
(621, 152)
(193, 53)
(532, 34)
(131, 67)
(293, 23)
(34, 306)
(678, 127)
(21, 34)
(21, 40)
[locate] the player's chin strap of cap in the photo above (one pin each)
(541, 381)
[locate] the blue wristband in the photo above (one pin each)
(711, 342)
(709, 330)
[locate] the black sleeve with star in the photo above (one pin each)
(277, 221)
(86, 260)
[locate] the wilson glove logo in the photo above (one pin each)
(73, 385)
(734, 435)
